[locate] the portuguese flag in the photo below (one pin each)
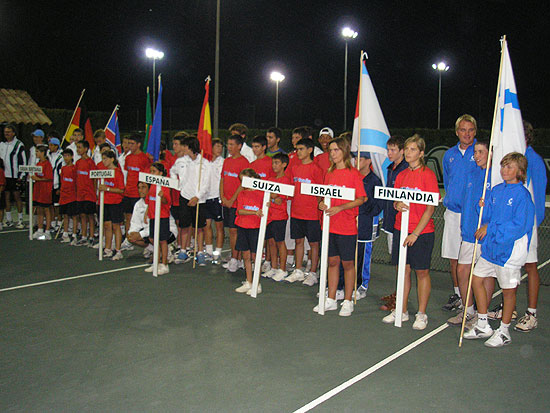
(148, 121)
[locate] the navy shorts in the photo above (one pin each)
(41, 204)
(419, 256)
(128, 204)
(175, 211)
(2, 200)
(113, 213)
(86, 207)
(247, 239)
(305, 228)
(164, 233)
(276, 229)
(55, 197)
(70, 209)
(342, 246)
(11, 185)
(229, 215)
(213, 209)
(188, 213)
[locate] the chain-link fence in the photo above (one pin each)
(380, 248)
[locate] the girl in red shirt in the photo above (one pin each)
(113, 189)
(420, 238)
(158, 168)
(343, 224)
(42, 193)
(249, 213)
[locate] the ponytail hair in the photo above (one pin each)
(160, 167)
(111, 155)
(421, 144)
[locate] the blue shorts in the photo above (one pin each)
(342, 246)
(276, 229)
(247, 239)
(305, 228)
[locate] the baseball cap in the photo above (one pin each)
(362, 154)
(326, 131)
(54, 141)
(38, 132)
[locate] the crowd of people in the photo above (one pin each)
(211, 199)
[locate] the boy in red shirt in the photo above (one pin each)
(136, 161)
(67, 196)
(323, 160)
(304, 214)
(262, 165)
(42, 194)
(276, 221)
(85, 192)
(230, 186)
(249, 213)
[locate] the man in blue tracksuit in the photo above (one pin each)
(508, 219)
(457, 162)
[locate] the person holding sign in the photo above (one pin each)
(42, 194)
(114, 214)
(158, 169)
(343, 224)
(249, 213)
(420, 239)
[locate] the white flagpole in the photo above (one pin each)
(197, 214)
(260, 247)
(157, 233)
(324, 258)
(31, 215)
(401, 267)
(101, 219)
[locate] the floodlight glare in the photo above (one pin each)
(153, 54)
(441, 66)
(349, 33)
(277, 77)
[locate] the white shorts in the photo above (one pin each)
(507, 277)
(450, 242)
(467, 252)
(532, 255)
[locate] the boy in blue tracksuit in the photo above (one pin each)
(508, 224)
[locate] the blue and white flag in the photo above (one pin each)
(370, 132)
(153, 146)
(508, 133)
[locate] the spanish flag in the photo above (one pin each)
(82, 121)
(204, 133)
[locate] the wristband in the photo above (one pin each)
(415, 234)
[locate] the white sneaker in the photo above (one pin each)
(266, 266)
(297, 275)
(107, 253)
(477, 332)
(420, 322)
(65, 239)
(330, 305)
(499, 338)
(308, 266)
(360, 293)
(170, 258)
(339, 295)
(37, 234)
(390, 318)
(148, 251)
(20, 225)
(244, 288)
(249, 292)
(233, 265)
(163, 269)
(149, 269)
(126, 246)
(311, 279)
(117, 256)
(347, 308)
(46, 236)
(279, 275)
(269, 273)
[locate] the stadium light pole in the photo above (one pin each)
(277, 77)
(440, 67)
(348, 34)
(155, 55)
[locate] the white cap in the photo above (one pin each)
(327, 131)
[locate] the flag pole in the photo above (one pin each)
(72, 117)
(111, 117)
(197, 213)
(489, 156)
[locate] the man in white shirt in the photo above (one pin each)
(99, 138)
(37, 139)
(13, 154)
(213, 207)
(77, 136)
(241, 129)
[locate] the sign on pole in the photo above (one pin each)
(159, 181)
(30, 170)
(407, 196)
(328, 192)
(268, 188)
(101, 174)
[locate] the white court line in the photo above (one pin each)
(73, 278)
(14, 230)
(331, 393)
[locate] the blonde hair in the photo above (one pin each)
(98, 133)
(344, 146)
(420, 143)
(466, 118)
(520, 161)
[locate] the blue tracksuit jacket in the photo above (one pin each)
(536, 173)
(473, 189)
(455, 167)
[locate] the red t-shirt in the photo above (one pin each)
(67, 192)
(323, 161)
(422, 179)
(251, 201)
(292, 162)
(134, 164)
(2, 178)
(279, 212)
(42, 190)
(344, 222)
(85, 189)
(263, 167)
(116, 182)
(231, 169)
(305, 206)
(151, 199)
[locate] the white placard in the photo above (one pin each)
(329, 191)
(102, 173)
(30, 169)
(159, 180)
(406, 195)
(268, 186)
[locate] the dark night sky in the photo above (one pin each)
(55, 50)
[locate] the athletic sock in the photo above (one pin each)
(482, 320)
(209, 249)
(65, 234)
(218, 251)
(457, 291)
(533, 311)
(470, 310)
(504, 327)
(8, 216)
(290, 259)
(20, 216)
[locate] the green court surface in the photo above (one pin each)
(125, 341)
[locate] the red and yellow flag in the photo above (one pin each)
(204, 133)
(82, 121)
